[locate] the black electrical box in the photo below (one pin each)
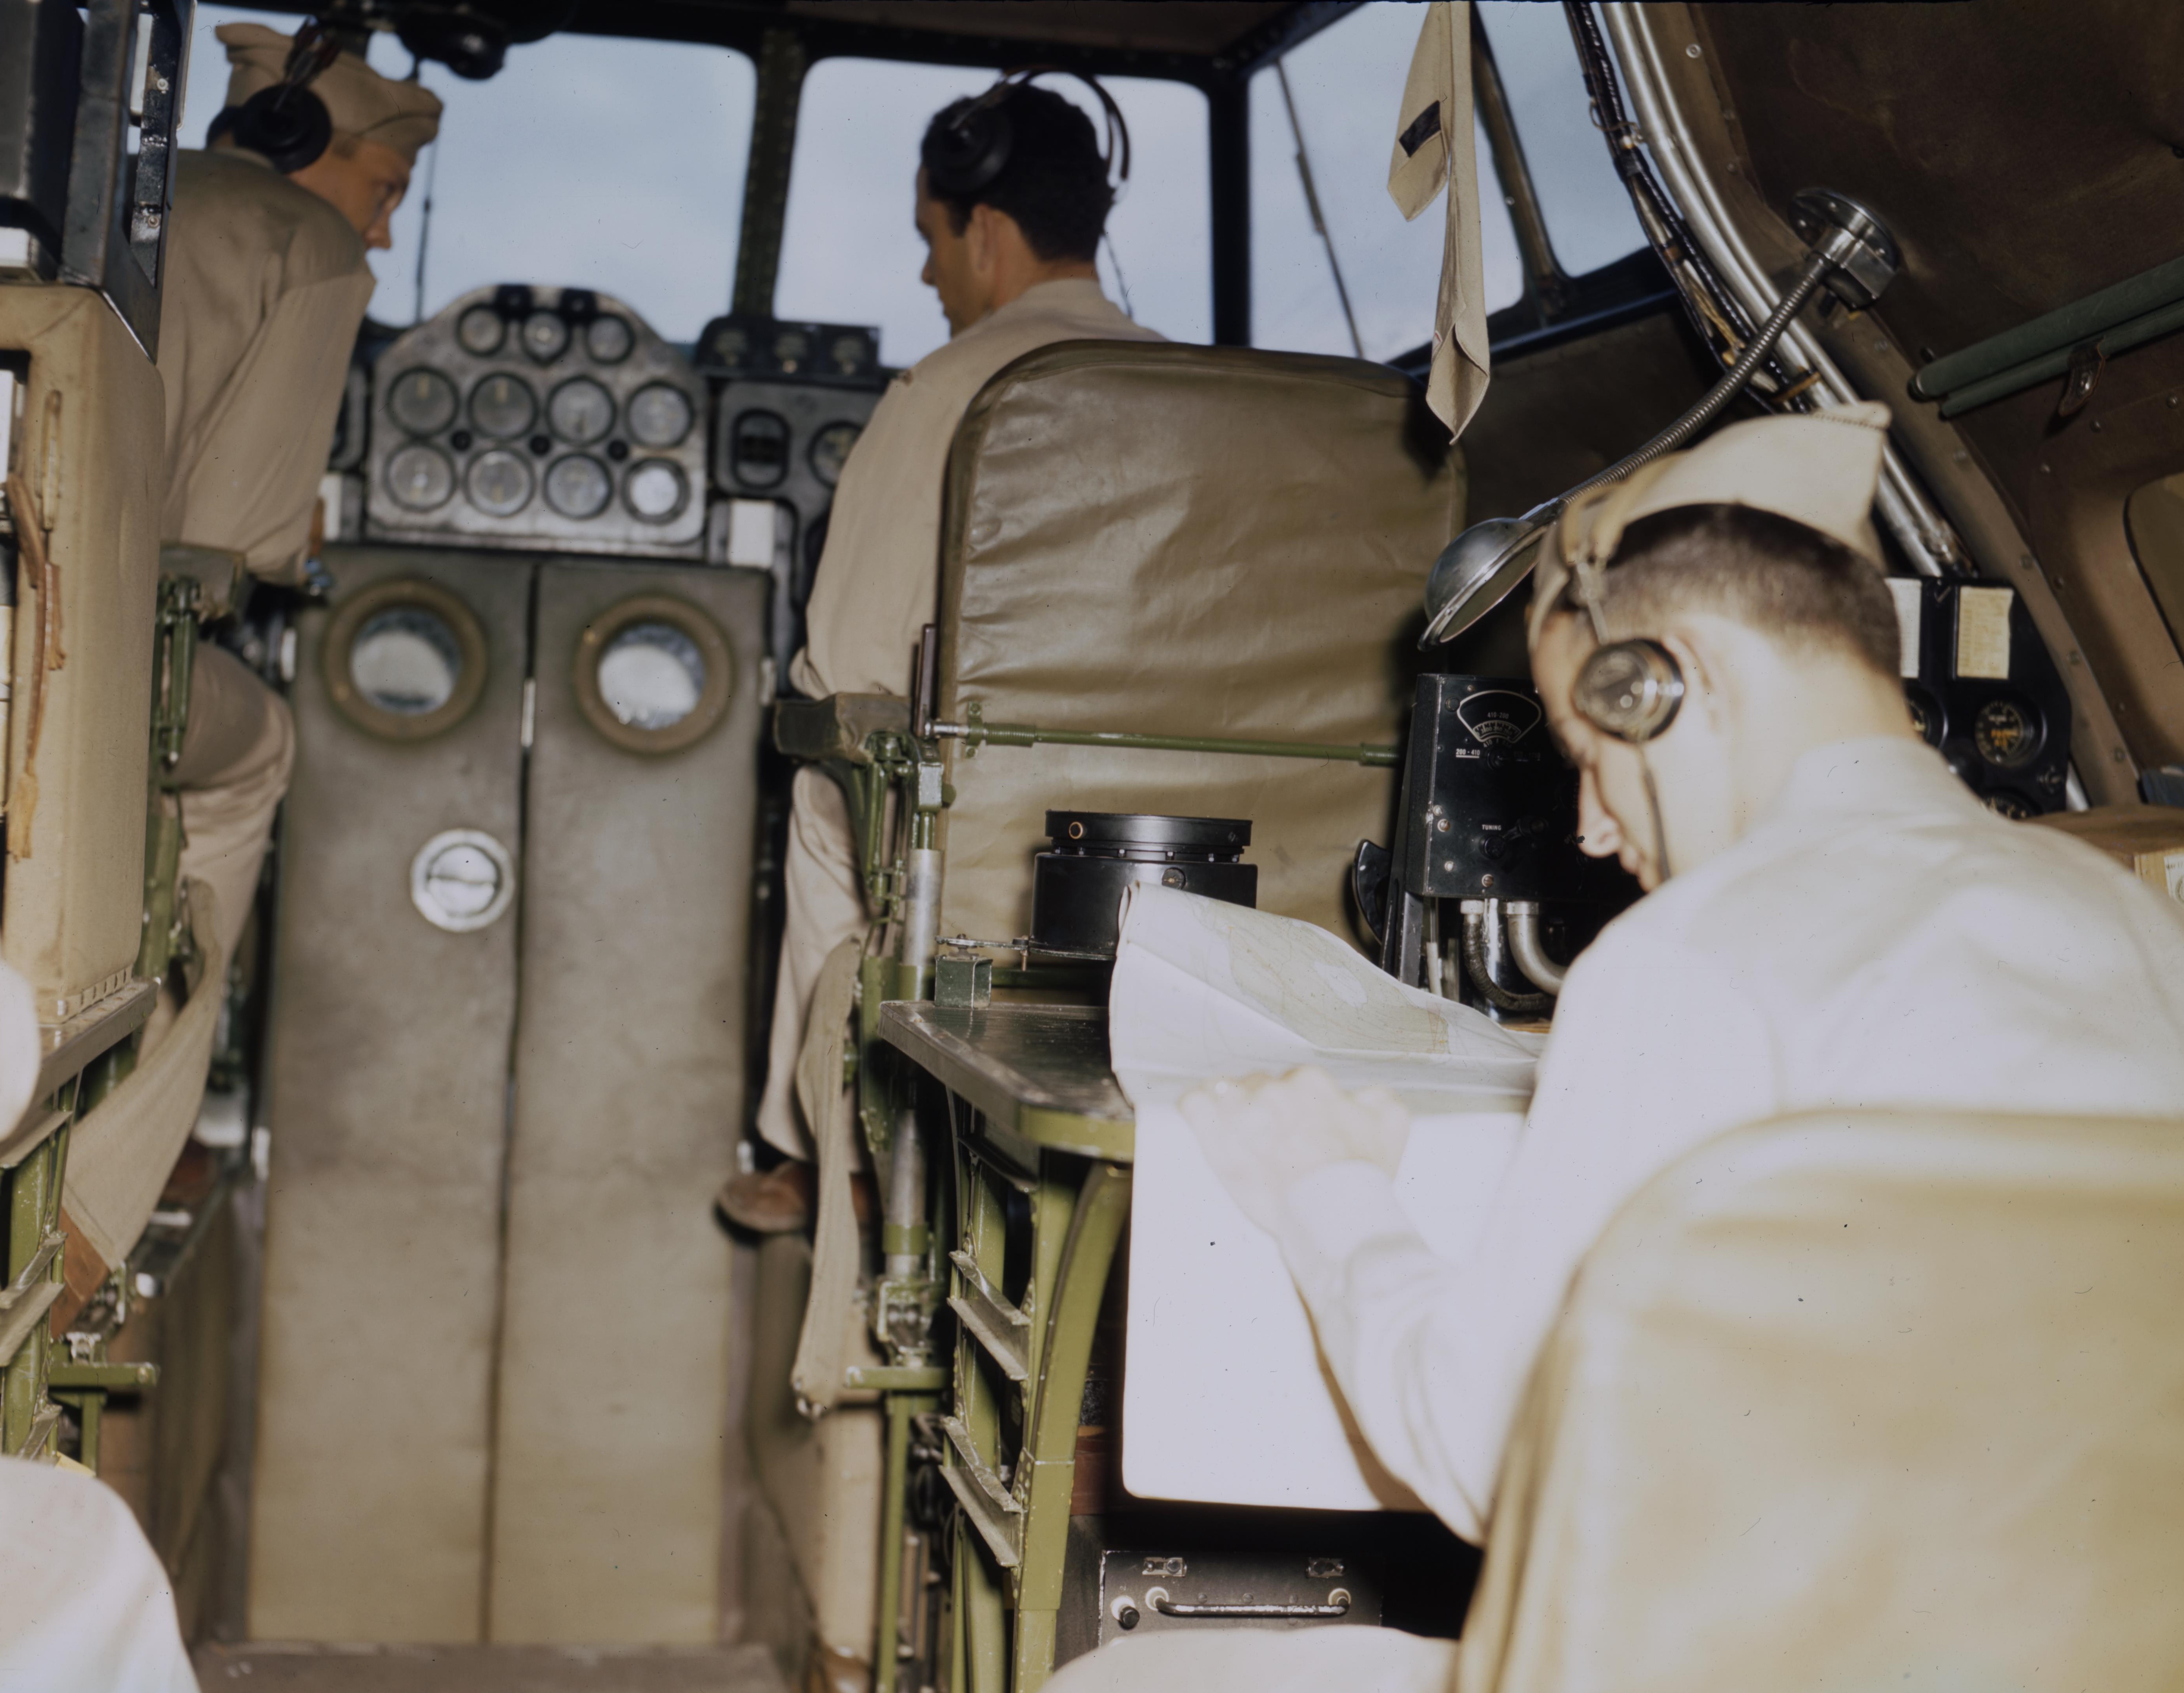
(1489, 804)
(1987, 694)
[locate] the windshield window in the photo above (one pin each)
(1590, 221)
(588, 162)
(1347, 81)
(849, 252)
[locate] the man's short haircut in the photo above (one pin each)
(1054, 184)
(1768, 572)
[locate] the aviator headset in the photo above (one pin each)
(288, 124)
(1630, 690)
(971, 149)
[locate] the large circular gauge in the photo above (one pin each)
(423, 402)
(653, 674)
(659, 415)
(830, 451)
(500, 482)
(481, 330)
(403, 659)
(421, 477)
(545, 336)
(578, 486)
(581, 411)
(504, 407)
(2006, 733)
(655, 490)
(609, 339)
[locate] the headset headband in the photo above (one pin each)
(971, 149)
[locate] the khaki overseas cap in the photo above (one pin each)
(362, 103)
(1820, 469)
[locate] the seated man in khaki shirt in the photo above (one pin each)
(1013, 265)
(266, 285)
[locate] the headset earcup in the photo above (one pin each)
(1630, 689)
(969, 154)
(289, 133)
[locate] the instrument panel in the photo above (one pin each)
(1984, 692)
(538, 418)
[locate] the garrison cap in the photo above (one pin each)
(1820, 469)
(363, 104)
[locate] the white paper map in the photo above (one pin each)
(1225, 1398)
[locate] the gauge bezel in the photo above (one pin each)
(420, 431)
(348, 622)
(702, 632)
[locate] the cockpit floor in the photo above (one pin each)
(488, 1669)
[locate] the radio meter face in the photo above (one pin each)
(504, 407)
(581, 411)
(423, 402)
(659, 415)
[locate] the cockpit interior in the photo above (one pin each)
(506, 1240)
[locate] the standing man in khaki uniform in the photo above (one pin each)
(266, 285)
(1013, 264)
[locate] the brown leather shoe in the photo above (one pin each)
(776, 1201)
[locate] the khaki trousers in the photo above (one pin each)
(238, 753)
(826, 907)
(1324, 1660)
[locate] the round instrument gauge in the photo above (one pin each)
(481, 330)
(578, 486)
(731, 341)
(423, 402)
(848, 353)
(1925, 714)
(421, 477)
(655, 490)
(659, 415)
(406, 660)
(545, 336)
(791, 347)
(609, 339)
(581, 411)
(500, 482)
(2004, 804)
(2006, 733)
(504, 407)
(830, 451)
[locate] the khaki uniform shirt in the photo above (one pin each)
(1877, 942)
(266, 285)
(879, 579)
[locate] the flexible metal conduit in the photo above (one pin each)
(1524, 947)
(1925, 535)
(1476, 914)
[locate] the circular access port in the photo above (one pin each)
(461, 880)
(421, 477)
(653, 674)
(655, 490)
(423, 402)
(504, 407)
(578, 486)
(609, 339)
(659, 415)
(403, 659)
(581, 411)
(481, 330)
(500, 482)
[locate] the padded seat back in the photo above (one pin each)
(1194, 541)
(1866, 1401)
